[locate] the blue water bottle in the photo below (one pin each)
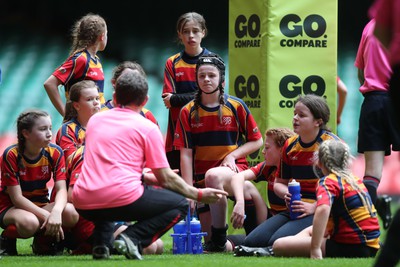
(294, 190)
(196, 235)
(179, 238)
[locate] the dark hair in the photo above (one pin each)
(86, 31)
(317, 106)
(191, 16)
(131, 88)
(218, 62)
(117, 71)
(25, 121)
(74, 96)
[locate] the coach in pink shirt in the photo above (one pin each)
(377, 134)
(119, 144)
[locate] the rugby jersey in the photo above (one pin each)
(212, 140)
(352, 222)
(180, 80)
(74, 165)
(50, 164)
(78, 67)
(70, 136)
(297, 162)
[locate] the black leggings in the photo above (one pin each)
(279, 225)
(155, 212)
(341, 250)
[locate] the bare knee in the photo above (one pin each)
(212, 178)
(27, 225)
(70, 216)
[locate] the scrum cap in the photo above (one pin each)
(213, 59)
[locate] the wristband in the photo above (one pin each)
(199, 195)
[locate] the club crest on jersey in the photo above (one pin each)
(255, 130)
(45, 169)
(176, 136)
(62, 70)
(226, 120)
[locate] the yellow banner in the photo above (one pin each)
(278, 50)
(302, 55)
(248, 52)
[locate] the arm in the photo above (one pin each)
(281, 187)
(54, 221)
(51, 86)
(69, 194)
(176, 100)
(318, 232)
(187, 165)
(342, 94)
(179, 100)
(172, 181)
(237, 185)
(360, 75)
(241, 152)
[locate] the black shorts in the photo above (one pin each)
(174, 159)
(378, 130)
(340, 250)
(2, 214)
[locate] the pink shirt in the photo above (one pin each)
(119, 143)
(373, 59)
(388, 15)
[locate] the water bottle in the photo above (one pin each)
(294, 189)
(196, 236)
(179, 238)
(195, 226)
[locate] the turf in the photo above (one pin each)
(26, 258)
(168, 259)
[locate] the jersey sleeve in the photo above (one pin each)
(66, 140)
(327, 190)
(183, 136)
(169, 77)
(9, 168)
(248, 123)
(59, 172)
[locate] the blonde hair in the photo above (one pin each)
(279, 135)
(335, 156)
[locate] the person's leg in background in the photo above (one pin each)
(389, 255)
